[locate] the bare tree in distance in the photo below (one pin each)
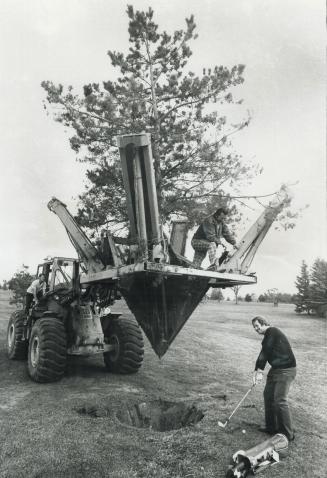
(236, 289)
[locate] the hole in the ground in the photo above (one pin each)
(160, 415)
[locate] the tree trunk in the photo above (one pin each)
(156, 136)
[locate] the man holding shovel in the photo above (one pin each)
(276, 350)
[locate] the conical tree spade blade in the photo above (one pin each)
(162, 303)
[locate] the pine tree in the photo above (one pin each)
(318, 286)
(302, 284)
(193, 156)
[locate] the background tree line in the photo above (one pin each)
(312, 288)
(282, 297)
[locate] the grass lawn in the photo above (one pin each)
(209, 365)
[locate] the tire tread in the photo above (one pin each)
(131, 344)
(52, 350)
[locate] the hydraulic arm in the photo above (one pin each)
(241, 260)
(87, 252)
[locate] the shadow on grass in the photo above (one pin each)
(85, 367)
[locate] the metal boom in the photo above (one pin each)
(85, 249)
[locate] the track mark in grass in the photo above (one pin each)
(314, 434)
(10, 397)
(92, 411)
(160, 415)
(220, 396)
(250, 424)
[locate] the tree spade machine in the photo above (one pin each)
(159, 284)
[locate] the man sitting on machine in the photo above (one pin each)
(208, 237)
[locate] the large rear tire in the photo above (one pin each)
(125, 335)
(16, 345)
(47, 351)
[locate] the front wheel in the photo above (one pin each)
(47, 350)
(16, 344)
(125, 335)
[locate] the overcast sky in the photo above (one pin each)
(282, 44)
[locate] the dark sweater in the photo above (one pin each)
(276, 350)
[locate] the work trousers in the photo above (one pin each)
(28, 301)
(277, 413)
(201, 252)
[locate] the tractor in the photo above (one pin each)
(66, 321)
(160, 285)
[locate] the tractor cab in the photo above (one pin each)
(61, 287)
(60, 273)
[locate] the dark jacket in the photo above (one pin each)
(276, 350)
(212, 231)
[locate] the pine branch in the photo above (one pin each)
(202, 99)
(196, 151)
